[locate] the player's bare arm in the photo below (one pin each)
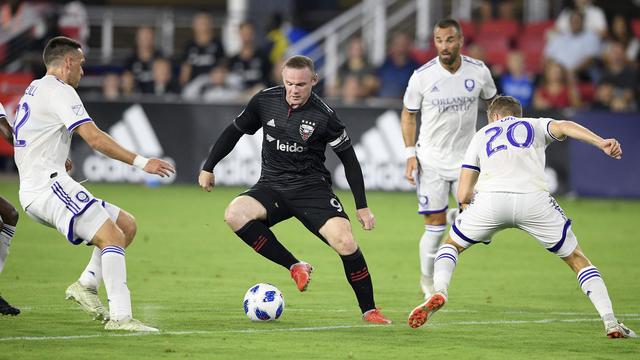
(467, 183)
(565, 128)
(102, 142)
(408, 125)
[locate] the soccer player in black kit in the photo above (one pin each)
(297, 126)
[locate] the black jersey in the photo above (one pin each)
(293, 140)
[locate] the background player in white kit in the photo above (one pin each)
(49, 112)
(446, 90)
(505, 162)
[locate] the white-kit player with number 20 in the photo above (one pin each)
(505, 164)
(48, 114)
(446, 90)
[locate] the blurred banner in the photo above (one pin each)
(594, 174)
(183, 133)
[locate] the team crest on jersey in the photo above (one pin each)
(78, 109)
(306, 129)
(469, 84)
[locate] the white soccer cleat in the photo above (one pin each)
(129, 325)
(617, 330)
(452, 215)
(88, 300)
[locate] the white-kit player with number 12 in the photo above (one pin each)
(446, 90)
(504, 167)
(48, 114)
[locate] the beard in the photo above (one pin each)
(452, 56)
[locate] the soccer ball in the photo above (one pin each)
(263, 302)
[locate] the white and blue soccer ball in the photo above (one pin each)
(263, 302)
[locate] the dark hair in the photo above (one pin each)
(57, 48)
(505, 106)
(300, 62)
(447, 23)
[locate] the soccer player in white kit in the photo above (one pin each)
(446, 90)
(8, 219)
(48, 114)
(505, 163)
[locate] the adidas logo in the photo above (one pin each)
(380, 152)
(271, 123)
(435, 89)
(134, 132)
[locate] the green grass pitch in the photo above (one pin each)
(188, 273)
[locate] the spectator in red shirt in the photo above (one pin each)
(556, 90)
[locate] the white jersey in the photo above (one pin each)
(509, 154)
(47, 114)
(449, 105)
(3, 113)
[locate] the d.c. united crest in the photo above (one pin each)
(306, 129)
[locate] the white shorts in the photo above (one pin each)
(433, 190)
(71, 209)
(536, 213)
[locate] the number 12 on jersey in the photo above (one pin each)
(22, 109)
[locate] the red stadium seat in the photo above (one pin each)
(504, 28)
(635, 25)
(421, 56)
(538, 27)
(532, 46)
(468, 30)
(495, 47)
(587, 92)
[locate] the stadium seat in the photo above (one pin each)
(587, 91)
(12, 85)
(635, 25)
(538, 27)
(495, 47)
(503, 28)
(421, 56)
(532, 46)
(468, 30)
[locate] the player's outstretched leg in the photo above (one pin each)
(111, 240)
(444, 265)
(8, 223)
(594, 287)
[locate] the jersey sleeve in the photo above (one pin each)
(249, 119)
(337, 134)
(542, 127)
(471, 157)
(68, 107)
(412, 95)
(488, 90)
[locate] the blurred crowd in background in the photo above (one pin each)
(585, 58)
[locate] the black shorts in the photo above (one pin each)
(312, 205)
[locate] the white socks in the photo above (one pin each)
(114, 272)
(593, 286)
(429, 244)
(91, 277)
(5, 241)
(444, 265)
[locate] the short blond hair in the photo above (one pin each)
(505, 106)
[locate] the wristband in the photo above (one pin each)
(140, 162)
(409, 152)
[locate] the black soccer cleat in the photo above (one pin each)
(6, 309)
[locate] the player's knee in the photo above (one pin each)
(9, 214)
(234, 217)
(344, 244)
(129, 229)
(436, 219)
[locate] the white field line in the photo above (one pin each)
(301, 329)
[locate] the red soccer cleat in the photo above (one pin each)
(423, 312)
(374, 316)
(301, 274)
